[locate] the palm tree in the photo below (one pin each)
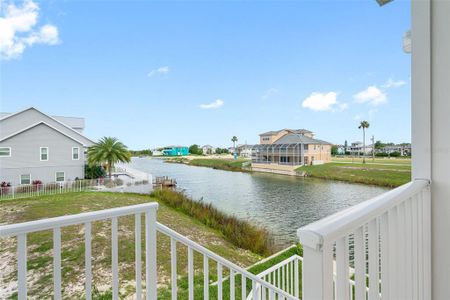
(363, 125)
(109, 150)
(234, 139)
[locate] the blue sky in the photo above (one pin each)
(159, 73)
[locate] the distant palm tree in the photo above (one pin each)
(363, 125)
(234, 139)
(109, 150)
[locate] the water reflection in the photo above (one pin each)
(278, 202)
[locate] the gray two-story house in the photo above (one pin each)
(36, 146)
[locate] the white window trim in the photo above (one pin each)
(20, 179)
(78, 152)
(10, 152)
(40, 153)
(56, 177)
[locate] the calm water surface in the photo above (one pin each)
(280, 203)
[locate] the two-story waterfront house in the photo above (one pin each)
(284, 150)
(36, 146)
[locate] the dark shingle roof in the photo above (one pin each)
(293, 138)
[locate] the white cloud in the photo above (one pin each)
(372, 95)
(160, 71)
(357, 117)
(213, 105)
(270, 92)
(391, 83)
(320, 101)
(18, 30)
(342, 106)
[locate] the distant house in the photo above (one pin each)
(285, 150)
(175, 151)
(36, 146)
(244, 150)
(208, 149)
(357, 148)
(402, 149)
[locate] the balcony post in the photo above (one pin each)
(317, 266)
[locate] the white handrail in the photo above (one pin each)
(224, 262)
(45, 224)
(340, 223)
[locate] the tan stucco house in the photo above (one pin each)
(284, 150)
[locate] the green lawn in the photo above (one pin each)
(377, 160)
(222, 164)
(40, 243)
(376, 174)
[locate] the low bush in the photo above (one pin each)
(239, 232)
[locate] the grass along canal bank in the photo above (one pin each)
(227, 164)
(220, 235)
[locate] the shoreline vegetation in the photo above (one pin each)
(380, 172)
(198, 221)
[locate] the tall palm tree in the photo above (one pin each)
(109, 150)
(363, 125)
(234, 139)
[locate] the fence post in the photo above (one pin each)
(317, 266)
(150, 254)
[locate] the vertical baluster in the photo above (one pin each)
(191, 273)
(278, 278)
(360, 263)
(243, 287)
(296, 279)
(114, 257)
(393, 252)
(263, 292)
(373, 260)
(205, 278)
(342, 268)
(415, 245)
(88, 260)
(231, 284)
(57, 263)
(425, 194)
(408, 249)
(283, 278)
(255, 291)
(150, 254)
(219, 281)
(401, 251)
(173, 267)
(291, 275)
(384, 234)
(420, 241)
(137, 254)
(22, 266)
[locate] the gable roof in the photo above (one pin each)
(293, 138)
(36, 124)
(298, 131)
(76, 133)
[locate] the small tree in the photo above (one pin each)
(195, 149)
(234, 139)
(363, 125)
(108, 150)
(334, 150)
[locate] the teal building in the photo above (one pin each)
(175, 151)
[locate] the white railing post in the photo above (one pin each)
(317, 266)
(150, 254)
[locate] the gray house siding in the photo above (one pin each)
(25, 155)
(13, 123)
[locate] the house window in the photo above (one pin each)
(44, 153)
(5, 151)
(25, 179)
(60, 176)
(75, 153)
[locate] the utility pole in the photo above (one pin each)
(373, 148)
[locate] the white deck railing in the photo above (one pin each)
(385, 240)
(21, 230)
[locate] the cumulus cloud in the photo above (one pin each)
(18, 30)
(213, 105)
(269, 93)
(372, 95)
(160, 71)
(320, 101)
(391, 83)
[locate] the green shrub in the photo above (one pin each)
(239, 232)
(93, 172)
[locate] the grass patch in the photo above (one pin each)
(239, 232)
(375, 174)
(221, 164)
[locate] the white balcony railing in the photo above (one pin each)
(151, 227)
(385, 241)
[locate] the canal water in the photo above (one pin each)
(280, 203)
